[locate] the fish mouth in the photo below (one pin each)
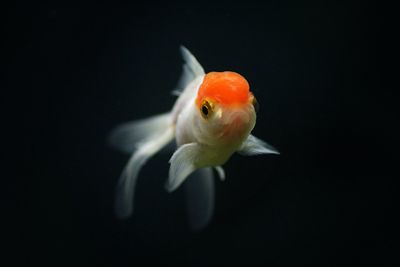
(237, 123)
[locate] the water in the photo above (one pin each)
(313, 68)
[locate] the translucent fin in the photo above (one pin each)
(182, 165)
(199, 190)
(126, 185)
(127, 136)
(221, 172)
(254, 146)
(191, 69)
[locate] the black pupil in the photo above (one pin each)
(204, 109)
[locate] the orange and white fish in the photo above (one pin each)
(211, 119)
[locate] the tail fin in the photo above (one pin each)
(145, 137)
(127, 136)
(200, 195)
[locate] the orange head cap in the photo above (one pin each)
(227, 88)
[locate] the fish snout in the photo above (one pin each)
(238, 123)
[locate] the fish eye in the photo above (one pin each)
(206, 109)
(255, 104)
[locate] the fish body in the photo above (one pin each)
(211, 119)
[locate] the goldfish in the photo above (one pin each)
(212, 118)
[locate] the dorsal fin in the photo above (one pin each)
(191, 69)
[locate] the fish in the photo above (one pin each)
(212, 118)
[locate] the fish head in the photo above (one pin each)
(226, 107)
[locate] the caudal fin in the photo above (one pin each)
(127, 136)
(200, 197)
(144, 138)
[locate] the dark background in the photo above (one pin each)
(77, 71)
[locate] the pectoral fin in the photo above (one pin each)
(183, 162)
(254, 146)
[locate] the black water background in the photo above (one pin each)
(76, 71)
